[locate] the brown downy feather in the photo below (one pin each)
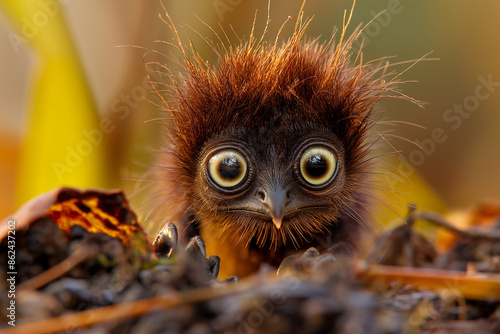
(253, 86)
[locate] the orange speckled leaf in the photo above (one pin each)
(98, 212)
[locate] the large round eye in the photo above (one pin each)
(227, 168)
(317, 165)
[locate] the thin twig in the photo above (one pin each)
(475, 286)
(436, 219)
(55, 272)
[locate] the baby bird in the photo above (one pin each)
(266, 151)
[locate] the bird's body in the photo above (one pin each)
(267, 150)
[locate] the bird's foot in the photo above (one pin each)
(311, 260)
(166, 245)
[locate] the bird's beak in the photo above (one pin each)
(275, 202)
(277, 222)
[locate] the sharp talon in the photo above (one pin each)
(299, 262)
(326, 259)
(213, 264)
(196, 248)
(171, 231)
(232, 279)
(287, 262)
(311, 252)
(166, 241)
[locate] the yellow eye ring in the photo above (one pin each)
(227, 168)
(317, 166)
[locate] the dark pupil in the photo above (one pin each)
(229, 168)
(316, 166)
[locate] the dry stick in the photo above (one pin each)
(440, 221)
(475, 286)
(56, 271)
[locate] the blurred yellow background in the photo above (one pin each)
(82, 122)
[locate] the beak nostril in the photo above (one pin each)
(288, 195)
(261, 195)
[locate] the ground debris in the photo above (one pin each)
(86, 264)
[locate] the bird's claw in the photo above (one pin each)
(311, 259)
(165, 245)
(166, 241)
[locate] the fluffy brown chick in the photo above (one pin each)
(266, 151)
